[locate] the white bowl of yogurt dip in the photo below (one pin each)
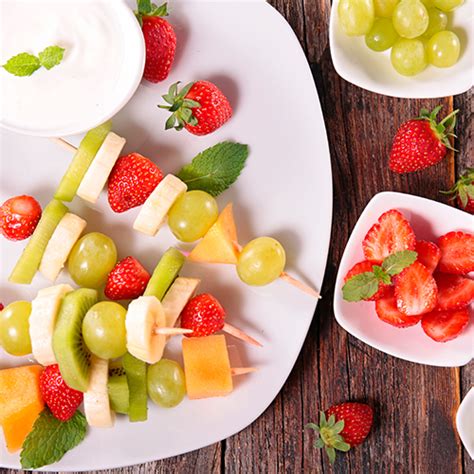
(101, 69)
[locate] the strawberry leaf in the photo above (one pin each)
(360, 287)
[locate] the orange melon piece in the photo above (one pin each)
(220, 244)
(207, 367)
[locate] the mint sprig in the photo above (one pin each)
(215, 169)
(51, 56)
(51, 439)
(364, 285)
(25, 64)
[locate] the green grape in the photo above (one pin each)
(192, 215)
(382, 35)
(443, 49)
(384, 8)
(427, 3)
(166, 383)
(15, 328)
(103, 330)
(356, 16)
(91, 259)
(447, 5)
(409, 57)
(410, 18)
(438, 22)
(261, 261)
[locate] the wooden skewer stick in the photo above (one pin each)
(64, 144)
(240, 335)
(242, 370)
(300, 285)
(172, 331)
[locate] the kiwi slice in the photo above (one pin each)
(135, 370)
(81, 161)
(116, 367)
(165, 273)
(30, 259)
(119, 393)
(69, 349)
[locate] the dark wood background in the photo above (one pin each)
(415, 405)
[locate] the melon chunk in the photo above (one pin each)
(207, 367)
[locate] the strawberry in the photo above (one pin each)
(428, 254)
(19, 217)
(200, 108)
(457, 253)
(1, 306)
(204, 315)
(160, 40)
(363, 267)
(61, 399)
(421, 142)
(387, 311)
(342, 427)
(454, 291)
(463, 191)
(415, 290)
(132, 180)
(127, 280)
(392, 233)
(444, 326)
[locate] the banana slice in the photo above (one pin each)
(59, 247)
(144, 315)
(153, 213)
(44, 310)
(98, 172)
(180, 292)
(96, 399)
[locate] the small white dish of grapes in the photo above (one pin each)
(415, 49)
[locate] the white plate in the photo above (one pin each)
(285, 191)
(465, 422)
(373, 71)
(429, 220)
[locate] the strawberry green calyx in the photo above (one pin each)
(146, 8)
(444, 129)
(329, 436)
(464, 188)
(180, 107)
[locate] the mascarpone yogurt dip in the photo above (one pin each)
(102, 65)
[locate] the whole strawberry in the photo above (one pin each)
(200, 107)
(127, 280)
(463, 191)
(342, 427)
(132, 180)
(422, 142)
(61, 399)
(19, 217)
(204, 315)
(160, 40)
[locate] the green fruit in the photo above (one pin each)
(381, 36)
(15, 328)
(69, 348)
(438, 22)
(409, 57)
(165, 273)
(166, 383)
(447, 5)
(83, 157)
(384, 8)
(136, 377)
(410, 18)
(443, 49)
(118, 393)
(356, 16)
(29, 262)
(116, 368)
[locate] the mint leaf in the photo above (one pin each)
(398, 261)
(51, 56)
(215, 169)
(381, 275)
(360, 287)
(51, 439)
(23, 64)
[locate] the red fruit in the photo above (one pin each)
(454, 291)
(387, 311)
(415, 290)
(463, 191)
(132, 180)
(61, 399)
(428, 254)
(443, 326)
(204, 315)
(421, 142)
(457, 253)
(1, 306)
(200, 107)
(127, 280)
(19, 217)
(363, 267)
(392, 233)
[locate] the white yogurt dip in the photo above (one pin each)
(101, 68)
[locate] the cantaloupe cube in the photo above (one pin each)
(207, 367)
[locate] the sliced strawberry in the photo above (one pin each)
(444, 326)
(454, 291)
(428, 254)
(363, 267)
(415, 290)
(387, 311)
(392, 233)
(457, 253)
(127, 280)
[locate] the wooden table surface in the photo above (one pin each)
(415, 405)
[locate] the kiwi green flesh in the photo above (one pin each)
(119, 394)
(69, 349)
(116, 368)
(135, 370)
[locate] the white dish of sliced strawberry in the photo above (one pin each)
(405, 283)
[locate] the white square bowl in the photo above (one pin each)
(373, 71)
(429, 220)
